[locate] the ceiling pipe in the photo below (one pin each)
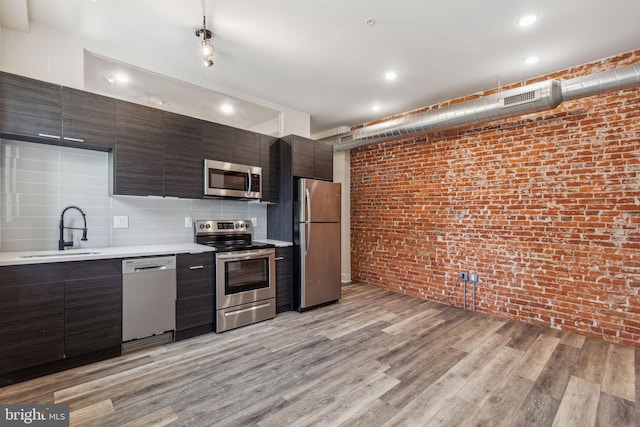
(532, 98)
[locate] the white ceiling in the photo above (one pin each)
(322, 58)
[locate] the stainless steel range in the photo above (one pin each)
(245, 273)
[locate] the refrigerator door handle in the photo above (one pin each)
(307, 198)
(307, 239)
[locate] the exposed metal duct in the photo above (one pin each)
(532, 98)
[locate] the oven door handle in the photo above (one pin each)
(242, 255)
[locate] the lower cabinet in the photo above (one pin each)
(58, 312)
(284, 279)
(194, 305)
(31, 320)
(92, 315)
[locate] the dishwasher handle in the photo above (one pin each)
(150, 264)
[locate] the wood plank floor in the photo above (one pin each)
(374, 359)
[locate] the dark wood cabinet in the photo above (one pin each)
(284, 279)
(217, 142)
(246, 147)
(31, 319)
(270, 163)
(88, 120)
(93, 314)
(30, 109)
(183, 159)
(311, 159)
(138, 158)
(323, 161)
(195, 295)
(49, 312)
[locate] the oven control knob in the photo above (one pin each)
(201, 225)
(208, 225)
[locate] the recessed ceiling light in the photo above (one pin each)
(111, 80)
(527, 20)
(391, 75)
(226, 108)
(122, 78)
(531, 60)
(370, 21)
(376, 107)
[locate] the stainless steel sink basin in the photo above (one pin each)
(60, 254)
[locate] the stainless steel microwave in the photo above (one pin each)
(224, 179)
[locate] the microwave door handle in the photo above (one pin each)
(248, 181)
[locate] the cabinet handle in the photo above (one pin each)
(279, 258)
(73, 139)
(46, 135)
(196, 267)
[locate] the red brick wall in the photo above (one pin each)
(544, 207)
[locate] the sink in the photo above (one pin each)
(60, 254)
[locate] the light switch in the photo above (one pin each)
(254, 222)
(187, 221)
(121, 221)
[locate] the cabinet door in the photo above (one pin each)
(139, 154)
(30, 109)
(88, 119)
(270, 163)
(183, 160)
(195, 277)
(217, 142)
(31, 321)
(323, 161)
(302, 152)
(284, 279)
(246, 147)
(93, 315)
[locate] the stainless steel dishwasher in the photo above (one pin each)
(148, 301)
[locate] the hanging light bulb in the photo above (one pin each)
(207, 48)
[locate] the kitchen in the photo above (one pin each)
(382, 255)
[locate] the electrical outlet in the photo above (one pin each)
(464, 276)
(187, 221)
(473, 277)
(254, 222)
(121, 221)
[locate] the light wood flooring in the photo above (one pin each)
(374, 359)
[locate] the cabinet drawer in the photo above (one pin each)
(196, 311)
(194, 260)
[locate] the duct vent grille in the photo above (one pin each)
(346, 138)
(521, 98)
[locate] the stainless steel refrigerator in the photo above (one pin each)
(316, 243)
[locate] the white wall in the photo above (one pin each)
(342, 174)
(44, 54)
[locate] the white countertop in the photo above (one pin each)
(85, 254)
(277, 243)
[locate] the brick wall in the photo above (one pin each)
(544, 207)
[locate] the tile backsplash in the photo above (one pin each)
(38, 181)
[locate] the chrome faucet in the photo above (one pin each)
(61, 243)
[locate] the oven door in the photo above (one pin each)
(223, 179)
(245, 276)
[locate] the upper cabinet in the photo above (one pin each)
(43, 112)
(311, 159)
(138, 157)
(152, 152)
(88, 119)
(30, 109)
(183, 159)
(270, 163)
(227, 144)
